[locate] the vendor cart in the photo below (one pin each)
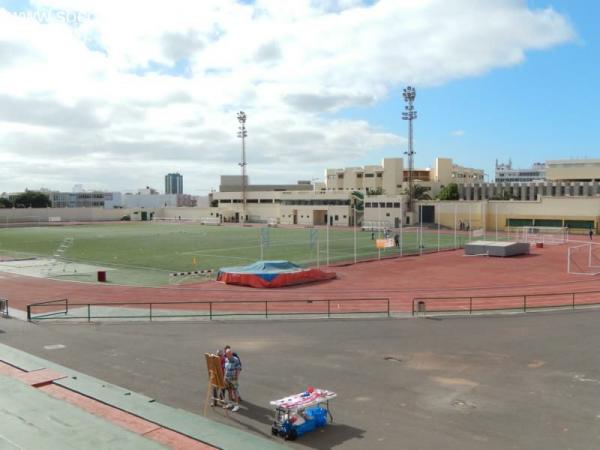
(302, 413)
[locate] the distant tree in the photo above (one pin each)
(421, 192)
(5, 203)
(449, 192)
(32, 199)
(375, 191)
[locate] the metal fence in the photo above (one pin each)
(62, 309)
(515, 302)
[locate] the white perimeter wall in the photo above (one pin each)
(26, 215)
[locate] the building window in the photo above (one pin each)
(369, 175)
(396, 205)
(336, 217)
(379, 175)
(387, 214)
(389, 205)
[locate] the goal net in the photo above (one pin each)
(545, 235)
(584, 259)
(10, 220)
(210, 221)
(272, 222)
(376, 225)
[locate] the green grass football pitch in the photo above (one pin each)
(145, 253)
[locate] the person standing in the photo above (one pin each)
(232, 373)
(591, 233)
(397, 240)
(239, 397)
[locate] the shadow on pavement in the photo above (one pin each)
(322, 439)
(331, 436)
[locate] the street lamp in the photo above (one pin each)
(242, 133)
(409, 93)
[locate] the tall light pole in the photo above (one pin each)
(410, 114)
(242, 133)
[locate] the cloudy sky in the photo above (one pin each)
(114, 94)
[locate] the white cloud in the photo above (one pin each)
(123, 92)
(457, 133)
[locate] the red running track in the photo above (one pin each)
(401, 280)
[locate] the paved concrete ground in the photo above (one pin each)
(522, 382)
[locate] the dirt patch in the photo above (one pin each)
(455, 381)
(536, 364)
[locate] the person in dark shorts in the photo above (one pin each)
(232, 372)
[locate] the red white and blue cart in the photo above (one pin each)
(302, 413)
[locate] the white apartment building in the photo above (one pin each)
(506, 174)
(581, 170)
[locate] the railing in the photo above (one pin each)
(210, 310)
(50, 305)
(516, 302)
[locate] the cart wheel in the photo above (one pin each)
(292, 435)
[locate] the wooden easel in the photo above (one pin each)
(216, 380)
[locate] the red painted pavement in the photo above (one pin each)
(43, 380)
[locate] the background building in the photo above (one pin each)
(233, 183)
(391, 177)
(573, 170)
(173, 183)
(82, 199)
(506, 174)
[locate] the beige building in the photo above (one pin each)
(285, 207)
(373, 194)
(388, 177)
(445, 172)
(573, 170)
(528, 191)
(578, 214)
(391, 177)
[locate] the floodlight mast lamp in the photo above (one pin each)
(242, 133)
(410, 114)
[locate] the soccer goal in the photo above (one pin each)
(376, 225)
(545, 235)
(210, 221)
(272, 222)
(584, 259)
(7, 221)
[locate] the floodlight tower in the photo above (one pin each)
(241, 117)
(410, 114)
